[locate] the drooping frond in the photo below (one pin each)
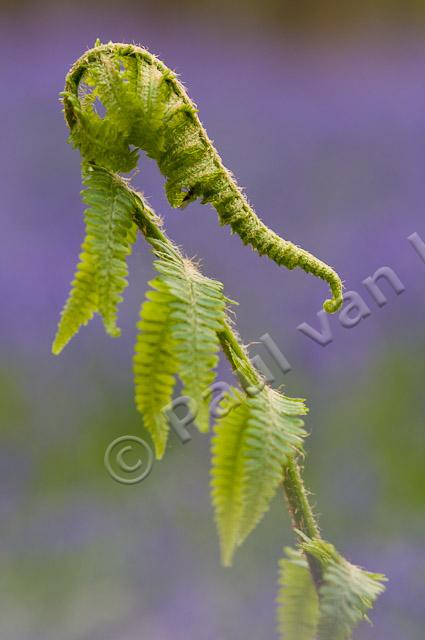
(82, 300)
(227, 473)
(251, 445)
(102, 271)
(274, 432)
(155, 365)
(298, 603)
(147, 108)
(347, 592)
(197, 314)
(178, 335)
(110, 223)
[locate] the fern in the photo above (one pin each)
(148, 109)
(155, 364)
(82, 302)
(102, 271)
(258, 438)
(178, 333)
(228, 473)
(345, 595)
(251, 446)
(197, 315)
(298, 602)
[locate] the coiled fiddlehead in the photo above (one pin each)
(147, 108)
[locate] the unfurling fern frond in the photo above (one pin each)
(118, 100)
(102, 271)
(298, 602)
(178, 335)
(147, 108)
(346, 593)
(251, 445)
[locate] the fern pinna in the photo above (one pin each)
(184, 322)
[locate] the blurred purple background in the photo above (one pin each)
(322, 121)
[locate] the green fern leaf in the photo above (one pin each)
(251, 445)
(151, 99)
(155, 364)
(82, 301)
(347, 592)
(346, 595)
(298, 604)
(103, 138)
(178, 335)
(109, 221)
(227, 475)
(274, 432)
(102, 271)
(197, 314)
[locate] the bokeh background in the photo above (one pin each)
(318, 108)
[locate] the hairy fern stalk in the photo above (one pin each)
(184, 322)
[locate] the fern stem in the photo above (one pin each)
(298, 504)
(302, 515)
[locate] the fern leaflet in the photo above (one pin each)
(298, 603)
(347, 592)
(154, 364)
(82, 301)
(102, 272)
(197, 314)
(346, 595)
(228, 472)
(251, 445)
(178, 334)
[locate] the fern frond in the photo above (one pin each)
(82, 301)
(151, 92)
(346, 595)
(148, 109)
(298, 603)
(102, 271)
(227, 474)
(197, 314)
(154, 364)
(274, 432)
(110, 223)
(118, 100)
(347, 592)
(251, 445)
(178, 335)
